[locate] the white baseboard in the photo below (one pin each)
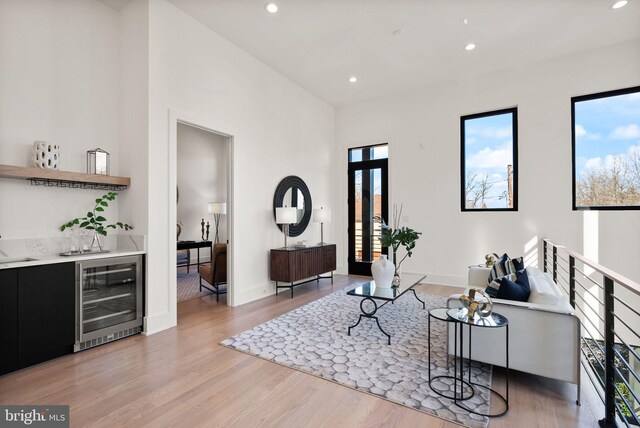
(157, 323)
(459, 281)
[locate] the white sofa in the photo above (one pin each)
(544, 333)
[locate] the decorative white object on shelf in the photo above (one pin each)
(382, 271)
(97, 162)
(46, 156)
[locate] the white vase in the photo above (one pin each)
(382, 271)
(46, 156)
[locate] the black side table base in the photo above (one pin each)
(371, 315)
(488, 415)
(452, 397)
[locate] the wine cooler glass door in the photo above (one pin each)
(108, 296)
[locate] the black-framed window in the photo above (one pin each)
(489, 161)
(605, 147)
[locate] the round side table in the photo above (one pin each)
(441, 314)
(460, 318)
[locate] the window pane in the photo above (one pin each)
(606, 135)
(488, 146)
(368, 186)
(380, 151)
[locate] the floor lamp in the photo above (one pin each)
(217, 209)
(322, 216)
(286, 216)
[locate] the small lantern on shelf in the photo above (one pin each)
(97, 162)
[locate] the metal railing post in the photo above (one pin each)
(572, 281)
(544, 255)
(555, 264)
(609, 357)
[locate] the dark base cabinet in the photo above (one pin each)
(295, 264)
(8, 317)
(42, 299)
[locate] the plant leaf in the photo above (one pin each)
(104, 204)
(99, 209)
(85, 224)
(89, 214)
(100, 218)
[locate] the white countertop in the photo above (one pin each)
(25, 252)
(50, 259)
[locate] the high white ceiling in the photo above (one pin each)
(320, 43)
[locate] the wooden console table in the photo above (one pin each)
(295, 264)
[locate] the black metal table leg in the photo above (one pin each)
(419, 299)
(369, 314)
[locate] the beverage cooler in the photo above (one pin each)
(109, 300)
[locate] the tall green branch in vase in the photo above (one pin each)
(94, 219)
(397, 236)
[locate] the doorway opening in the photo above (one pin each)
(203, 193)
(368, 203)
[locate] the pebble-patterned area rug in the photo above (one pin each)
(313, 339)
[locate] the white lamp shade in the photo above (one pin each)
(217, 208)
(321, 215)
(286, 215)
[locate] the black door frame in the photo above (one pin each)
(355, 267)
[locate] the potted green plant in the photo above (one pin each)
(95, 221)
(396, 237)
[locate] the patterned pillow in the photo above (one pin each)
(494, 287)
(504, 266)
(517, 290)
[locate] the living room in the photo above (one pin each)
(122, 75)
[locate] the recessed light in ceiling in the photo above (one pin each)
(271, 7)
(397, 32)
(465, 21)
(470, 47)
(619, 4)
(353, 79)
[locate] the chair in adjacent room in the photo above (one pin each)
(184, 257)
(215, 274)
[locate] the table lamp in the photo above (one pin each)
(217, 209)
(322, 216)
(286, 216)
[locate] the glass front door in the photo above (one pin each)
(367, 205)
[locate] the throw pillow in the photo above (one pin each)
(493, 288)
(505, 266)
(517, 290)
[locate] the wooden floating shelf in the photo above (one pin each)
(79, 180)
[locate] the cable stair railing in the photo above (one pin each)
(608, 305)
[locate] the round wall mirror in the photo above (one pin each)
(292, 191)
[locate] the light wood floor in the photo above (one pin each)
(183, 378)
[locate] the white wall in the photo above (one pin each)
(133, 137)
(202, 161)
(59, 83)
(427, 180)
(278, 129)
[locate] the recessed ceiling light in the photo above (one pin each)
(397, 32)
(619, 4)
(470, 47)
(465, 21)
(271, 7)
(353, 79)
